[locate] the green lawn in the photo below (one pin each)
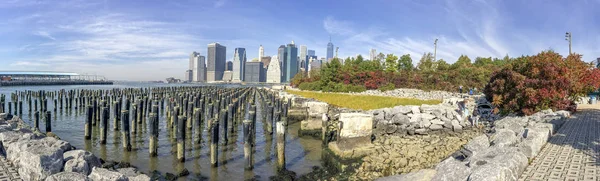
(362, 102)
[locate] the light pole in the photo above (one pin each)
(568, 38)
(435, 54)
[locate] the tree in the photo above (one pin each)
(330, 71)
(380, 57)
(463, 61)
(442, 65)
(426, 62)
(405, 63)
(481, 61)
(390, 62)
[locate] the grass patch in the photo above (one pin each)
(362, 102)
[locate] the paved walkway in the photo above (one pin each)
(7, 171)
(572, 153)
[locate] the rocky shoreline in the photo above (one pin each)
(412, 93)
(40, 156)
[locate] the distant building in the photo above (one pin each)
(216, 62)
(199, 67)
(372, 54)
(239, 62)
(188, 76)
(274, 71)
(281, 55)
(329, 50)
(255, 72)
(303, 54)
(227, 76)
(266, 61)
(261, 52)
(311, 53)
(290, 62)
(314, 64)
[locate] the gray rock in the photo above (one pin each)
(503, 138)
(477, 144)
(421, 131)
(86, 156)
(427, 116)
(67, 176)
(141, 177)
(448, 124)
(400, 119)
(435, 127)
(515, 124)
(497, 164)
(102, 174)
(425, 123)
(402, 110)
(437, 121)
(421, 175)
(533, 141)
(3, 115)
(451, 169)
(390, 129)
(415, 109)
(38, 159)
(9, 137)
(457, 127)
(564, 114)
(128, 172)
(78, 166)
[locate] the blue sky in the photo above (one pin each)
(152, 39)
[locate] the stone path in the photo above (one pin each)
(7, 171)
(572, 153)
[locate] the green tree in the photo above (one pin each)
(390, 62)
(405, 63)
(330, 71)
(463, 61)
(380, 57)
(481, 61)
(442, 65)
(426, 62)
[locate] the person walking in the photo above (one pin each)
(460, 89)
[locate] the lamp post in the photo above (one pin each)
(568, 38)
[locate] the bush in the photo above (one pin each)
(313, 86)
(387, 87)
(543, 81)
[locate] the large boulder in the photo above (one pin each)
(401, 110)
(102, 174)
(67, 176)
(133, 174)
(9, 137)
(514, 124)
(533, 141)
(421, 175)
(400, 119)
(80, 161)
(476, 144)
(503, 138)
(38, 159)
(451, 169)
(316, 109)
(497, 164)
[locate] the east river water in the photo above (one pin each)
(302, 153)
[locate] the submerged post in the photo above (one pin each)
(125, 130)
(153, 135)
(36, 118)
(88, 123)
(48, 122)
(181, 127)
(214, 143)
(281, 144)
(247, 144)
(103, 124)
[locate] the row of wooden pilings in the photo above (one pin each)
(185, 109)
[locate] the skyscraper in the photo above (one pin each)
(290, 63)
(303, 53)
(190, 70)
(329, 50)
(281, 58)
(229, 66)
(274, 70)
(255, 72)
(372, 54)
(216, 62)
(239, 63)
(311, 53)
(199, 70)
(261, 52)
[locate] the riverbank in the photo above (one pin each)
(44, 156)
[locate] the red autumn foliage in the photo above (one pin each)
(544, 81)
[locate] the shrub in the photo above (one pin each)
(387, 87)
(546, 80)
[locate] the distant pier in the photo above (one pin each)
(38, 78)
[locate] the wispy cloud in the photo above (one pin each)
(339, 27)
(44, 34)
(219, 3)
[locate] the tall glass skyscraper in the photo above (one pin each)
(216, 62)
(311, 53)
(329, 50)
(290, 62)
(239, 62)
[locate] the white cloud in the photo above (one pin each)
(44, 34)
(219, 3)
(338, 27)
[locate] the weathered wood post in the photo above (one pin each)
(153, 135)
(115, 115)
(247, 143)
(197, 125)
(125, 130)
(139, 112)
(133, 119)
(269, 118)
(189, 115)
(324, 129)
(223, 119)
(181, 128)
(103, 124)
(88, 123)
(36, 118)
(175, 121)
(214, 143)
(230, 116)
(281, 130)
(48, 122)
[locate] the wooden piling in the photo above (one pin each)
(153, 148)
(103, 124)
(48, 120)
(181, 128)
(88, 123)
(247, 144)
(36, 118)
(125, 130)
(281, 133)
(214, 144)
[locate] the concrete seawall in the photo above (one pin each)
(39, 156)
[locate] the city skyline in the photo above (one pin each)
(110, 37)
